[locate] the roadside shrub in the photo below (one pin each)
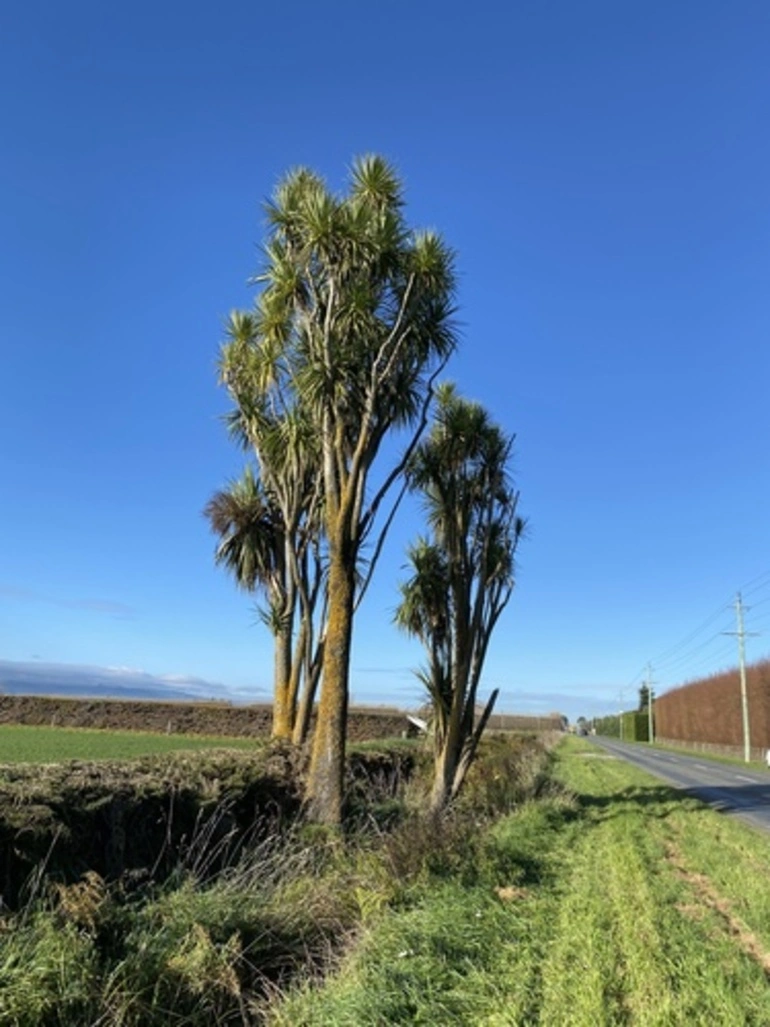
(508, 771)
(425, 846)
(378, 779)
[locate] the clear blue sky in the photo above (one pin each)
(602, 170)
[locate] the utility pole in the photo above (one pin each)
(620, 714)
(741, 634)
(650, 723)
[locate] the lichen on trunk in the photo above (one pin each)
(324, 793)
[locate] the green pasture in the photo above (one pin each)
(25, 744)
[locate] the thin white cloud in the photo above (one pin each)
(120, 611)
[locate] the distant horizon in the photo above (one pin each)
(83, 681)
(38, 677)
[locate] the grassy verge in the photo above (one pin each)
(25, 744)
(616, 901)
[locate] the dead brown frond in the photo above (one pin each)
(81, 903)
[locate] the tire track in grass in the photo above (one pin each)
(519, 989)
(734, 859)
(666, 971)
(572, 973)
(662, 960)
(713, 979)
(642, 980)
(577, 983)
(703, 888)
(580, 976)
(584, 978)
(605, 967)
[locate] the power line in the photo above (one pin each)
(746, 590)
(634, 680)
(672, 650)
(674, 657)
(683, 658)
(751, 581)
(712, 658)
(755, 621)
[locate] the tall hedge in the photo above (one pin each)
(709, 710)
(609, 727)
(635, 727)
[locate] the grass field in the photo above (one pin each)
(23, 744)
(626, 903)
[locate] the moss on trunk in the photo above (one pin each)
(283, 707)
(325, 777)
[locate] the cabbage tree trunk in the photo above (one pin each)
(283, 707)
(454, 756)
(324, 794)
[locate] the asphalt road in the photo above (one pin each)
(729, 788)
